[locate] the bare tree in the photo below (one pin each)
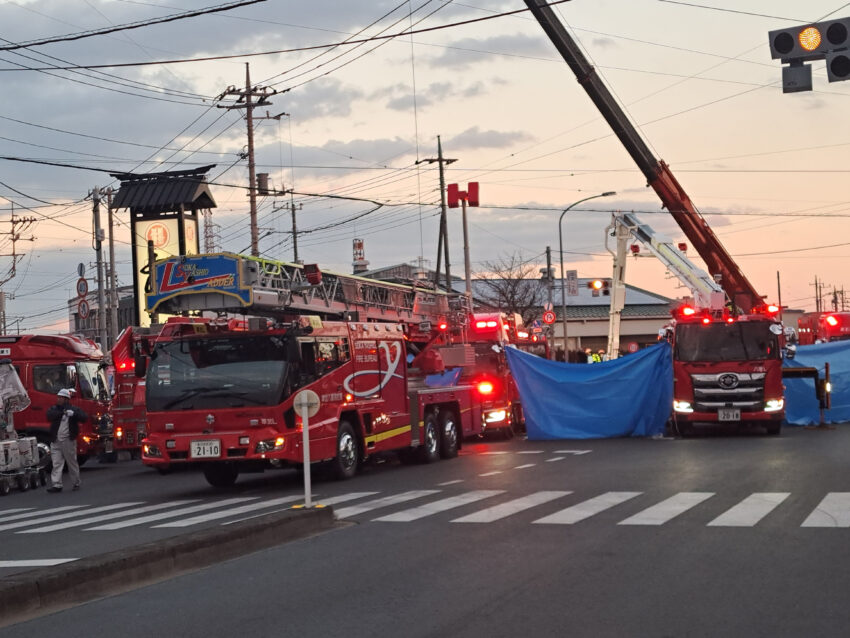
(512, 284)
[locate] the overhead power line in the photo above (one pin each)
(126, 27)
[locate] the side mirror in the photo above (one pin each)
(790, 351)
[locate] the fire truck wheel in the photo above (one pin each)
(429, 451)
(221, 474)
(347, 452)
(448, 435)
(5, 486)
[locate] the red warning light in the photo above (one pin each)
(832, 321)
(485, 387)
(688, 311)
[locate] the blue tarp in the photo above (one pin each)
(630, 396)
(801, 405)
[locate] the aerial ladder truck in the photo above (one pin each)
(726, 362)
(220, 391)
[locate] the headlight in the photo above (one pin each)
(151, 450)
(774, 405)
(269, 445)
(683, 407)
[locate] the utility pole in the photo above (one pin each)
(19, 225)
(443, 241)
(98, 242)
(244, 102)
(113, 285)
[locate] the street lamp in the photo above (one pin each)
(561, 245)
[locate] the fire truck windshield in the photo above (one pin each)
(92, 381)
(206, 373)
(739, 341)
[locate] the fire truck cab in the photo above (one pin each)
(49, 363)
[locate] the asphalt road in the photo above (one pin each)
(720, 535)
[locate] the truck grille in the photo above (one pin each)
(744, 390)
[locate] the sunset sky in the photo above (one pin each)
(765, 168)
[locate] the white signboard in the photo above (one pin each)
(572, 283)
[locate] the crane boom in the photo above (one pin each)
(658, 175)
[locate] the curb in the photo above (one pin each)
(47, 589)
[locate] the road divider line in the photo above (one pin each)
(751, 510)
(586, 509)
(493, 473)
(436, 507)
(555, 458)
(515, 506)
(522, 467)
(573, 452)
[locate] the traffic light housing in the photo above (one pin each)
(597, 285)
(828, 40)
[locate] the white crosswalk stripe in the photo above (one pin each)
(751, 510)
(104, 517)
(667, 509)
(32, 514)
(386, 501)
(213, 516)
(586, 509)
(428, 509)
(511, 507)
(67, 515)
(173, 514)
(14, 510)
(833, 511)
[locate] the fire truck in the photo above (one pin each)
(726, 360)
(128, 401)
(819, 327)
(49, 363)
(223, 399)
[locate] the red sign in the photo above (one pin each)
(632, 346)
(549, 317)
(83, 309)
(82, 287)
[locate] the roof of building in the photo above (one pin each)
(164, 192)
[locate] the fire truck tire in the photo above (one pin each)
(347, 457)
(221, 474)
(5, 486)
(448, 435)
(429, 451)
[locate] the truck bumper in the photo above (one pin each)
(259, 447)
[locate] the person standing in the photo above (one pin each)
(65, 422)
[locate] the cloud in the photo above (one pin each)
(474, 137)
(462, 54)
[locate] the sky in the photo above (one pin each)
(358, 122)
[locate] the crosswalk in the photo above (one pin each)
(449, 504)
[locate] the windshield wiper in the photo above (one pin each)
(188, 394)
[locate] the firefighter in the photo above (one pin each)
(65, 422)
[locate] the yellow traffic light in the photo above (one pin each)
(596, 284)
(809, 38)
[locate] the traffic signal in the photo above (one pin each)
(596, 285)
(828, 40)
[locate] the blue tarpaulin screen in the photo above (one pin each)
(630, 396)
(801, 405)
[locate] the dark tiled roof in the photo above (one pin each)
(635, 311)
(164, 192)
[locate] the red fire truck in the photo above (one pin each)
(819, 327)
(716, 367)
(49, 363)
(128, 401)
(223, 399)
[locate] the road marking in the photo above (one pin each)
(213, 516)
(333, 500)
(450, 483)
(436, 507)
(66, 515)
(105, 517)
(511, 507)
(493, 473)
(52, 510)
(833, 511)
(555, 458)
(575, 452)
(667, 509)
(494, 453)
(588, 508)
(530, 452)
(36, 562)
(3, 513)
(158, 517)
(751, 510)
(386, 501)
(522, 467)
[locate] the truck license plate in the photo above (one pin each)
(205, 449)
(729, 414)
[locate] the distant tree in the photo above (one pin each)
(512, 284)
